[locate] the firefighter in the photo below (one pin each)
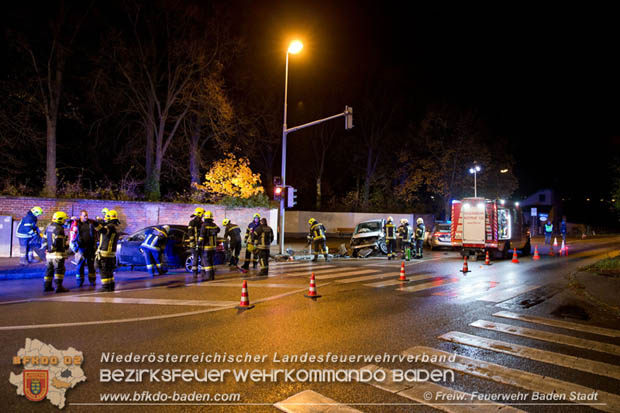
(404, 235)
(104, 212)
(263, 237)
(419, 238)
(233, 233)
(193, 233)
(319, 239)
(153, 247)
(84, 244)
(390, 238)
(106, 252)
(28, 233)
(249, 251)
(56, 253)
(208, 241)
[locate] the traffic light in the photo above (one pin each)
(348, 117)
(291, 197)
(278, 193)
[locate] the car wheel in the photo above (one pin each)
(354, 253)
(383, 247)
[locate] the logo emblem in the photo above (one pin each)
(35, 384)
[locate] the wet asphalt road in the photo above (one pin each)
(170, 314)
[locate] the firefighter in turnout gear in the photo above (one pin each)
(153, 247)
(233, 233)
(390, 238)
(193, 233)
(263, 237)
(106, 252)
(208, 242)
(404, 235)
(56, 253)
(27, 233)
(250, 254)
(419, 238)
(319, 239)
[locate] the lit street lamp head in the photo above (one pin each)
(295, 47)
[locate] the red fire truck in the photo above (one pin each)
(480, 225)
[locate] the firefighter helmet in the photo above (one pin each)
(312, 221)
(112, 214)
(405, 221)
(59, 217)
(166, 228)
(36, 211)
(208, 215)
(199, 211)
(390, 219)
(256, 215)
(226, 221)
(105, 211)
(420, 221)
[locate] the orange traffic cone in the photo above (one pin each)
(312, 291)
(536, 256)
(487, 260)
(515, 258)
(465, 269)
(402, 272)
(245, 299)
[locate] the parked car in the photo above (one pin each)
(177, 253)
(440, 236)
(369, 234)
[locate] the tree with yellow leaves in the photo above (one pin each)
(231, 178)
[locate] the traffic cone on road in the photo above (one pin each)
(402, 272)
(536, 257)
(562, 249)
(487, 260)
(312, 291)
(515, 257)
(555, 241)
(465, 270)
(245, 299)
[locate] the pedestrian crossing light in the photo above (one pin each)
(348, 117)
(291, 197)
(278, 193)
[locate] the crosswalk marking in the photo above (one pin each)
(367, 277)
(550, 337)
(254, 285)
(307, 269)
(428, 285)
(297, 265)
(607, 402)
(558, 323)
(503, 295)
(577, 363)
(151, 301)
(342, 274)
(416, 392)
(309, 401)
(397, 282)
(465, 291)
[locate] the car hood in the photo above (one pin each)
(367, 234)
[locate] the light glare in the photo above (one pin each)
(295, 47)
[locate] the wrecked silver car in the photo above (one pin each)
(368, 238)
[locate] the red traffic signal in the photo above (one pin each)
(278, 193)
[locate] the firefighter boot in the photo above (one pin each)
(59, 287)
(246, 265)
(47, 287)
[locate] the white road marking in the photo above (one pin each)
(368, 277)
(461, 402)
(148, 301)
(309, 401)
(397, 282)
(407, 264)
(505, 294)
(254, 285)
(547, 336)
(558, 323)
(331, 274)
(571, 362)
(308, 270)
(427, 286)
(607, 402)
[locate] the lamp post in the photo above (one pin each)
(474, 170)
(294, 48)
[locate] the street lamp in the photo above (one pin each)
(474, 170)
(294, 48)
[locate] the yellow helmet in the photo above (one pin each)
(36, 211)
(256, 215)
(59, 217)
(312, 221)
(208, 215)
(199, 211)
(226, 221)
(105, 211)
(112, 214)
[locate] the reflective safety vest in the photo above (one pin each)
(208, 235)
(390, 231)
(56, 247)
(317, 231)
(108, 237)
(233, 233)
(155, 239)
(549, 228)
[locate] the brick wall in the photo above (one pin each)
(133, 215)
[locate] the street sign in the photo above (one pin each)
(533, 212)
(543, 217)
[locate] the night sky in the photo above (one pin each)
(545, 78)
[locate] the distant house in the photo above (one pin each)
(542, 206)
